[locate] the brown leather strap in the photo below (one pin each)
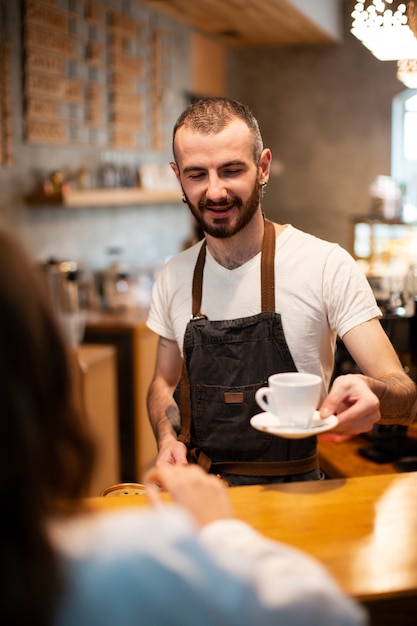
(197, 288)
(267, 468)
(185, 396)
(267, 273)
(268, 268)
(248, 468)
(195, 455)
(185, 406)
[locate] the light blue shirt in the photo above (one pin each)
(156, 569)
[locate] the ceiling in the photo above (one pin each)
(256, 22)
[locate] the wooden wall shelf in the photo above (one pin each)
(73, 199)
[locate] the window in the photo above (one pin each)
(404, 149)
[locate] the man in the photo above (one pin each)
(264, 298)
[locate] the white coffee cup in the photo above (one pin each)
(292, 397)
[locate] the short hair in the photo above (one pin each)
(211, 115)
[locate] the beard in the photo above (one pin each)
(221, 229)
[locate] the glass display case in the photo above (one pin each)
(381, 244)
(387, 251)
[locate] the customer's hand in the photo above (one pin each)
(203, 495)
(356, 406)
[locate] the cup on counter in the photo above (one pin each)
(292, 397)
(124, 489)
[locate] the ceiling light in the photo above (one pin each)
(407, 72)
(383, 28)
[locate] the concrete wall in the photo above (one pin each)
(326, 114)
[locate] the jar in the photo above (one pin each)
(385, 198)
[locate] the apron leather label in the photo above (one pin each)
(233, 397)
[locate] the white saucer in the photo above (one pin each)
(267, 423)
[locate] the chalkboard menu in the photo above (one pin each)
(94, 74)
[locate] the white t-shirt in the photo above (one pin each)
(154, 568)
(320, 292)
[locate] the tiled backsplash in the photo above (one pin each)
(144, 235)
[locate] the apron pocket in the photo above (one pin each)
(221, 420)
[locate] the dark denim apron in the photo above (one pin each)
(225, 362)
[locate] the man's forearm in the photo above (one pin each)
(163, 413)
(397, 395)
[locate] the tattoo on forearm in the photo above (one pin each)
(173, 415)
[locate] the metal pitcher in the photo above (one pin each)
(63, 282)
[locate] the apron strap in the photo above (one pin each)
(197, 289)
(268, 268)
(254, 468)
(185, 394)
(266, 468)
(185, 406)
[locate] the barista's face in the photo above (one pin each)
(219, 177)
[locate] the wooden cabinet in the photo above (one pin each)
(144, 361)
(95, 389)
(135, 347)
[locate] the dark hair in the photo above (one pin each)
(212, 115)
(46, 453)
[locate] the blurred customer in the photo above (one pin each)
(187, 564)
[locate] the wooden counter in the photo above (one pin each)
(95, 390)
(341, 459)
(362, 529)
(136, 351)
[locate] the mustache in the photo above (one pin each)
(207, 203)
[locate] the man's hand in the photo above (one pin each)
(356, 406)
(172, 453)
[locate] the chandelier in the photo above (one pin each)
(385, 28)
(407, 72)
